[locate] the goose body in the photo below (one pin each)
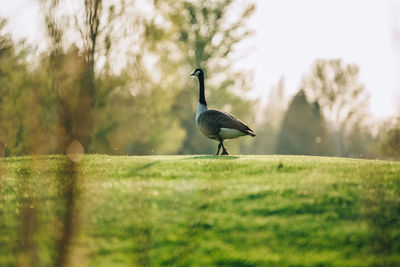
(216, 124)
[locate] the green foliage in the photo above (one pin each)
(344, 102)
(199, 35)
(145, 104)
(146, 107)
(18, 111)
(389, 143)
(303, 129)
(136, 118)
(209, 211)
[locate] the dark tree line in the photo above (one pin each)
(328, 116)
(303, 129)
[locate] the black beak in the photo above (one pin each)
(192, 74)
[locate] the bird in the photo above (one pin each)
(216, 124)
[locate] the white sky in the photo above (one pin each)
(291, 34)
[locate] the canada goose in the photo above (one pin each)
(216, 124)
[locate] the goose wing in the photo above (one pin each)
(218, 119)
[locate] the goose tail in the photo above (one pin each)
(250, 132)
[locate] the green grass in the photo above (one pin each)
(207, 211)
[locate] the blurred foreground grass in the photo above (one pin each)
(207, 211)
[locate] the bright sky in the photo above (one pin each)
(291, 34)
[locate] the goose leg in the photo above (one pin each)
(224, 151)
(219, 147)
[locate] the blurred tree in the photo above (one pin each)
(19, 113)
(143, 108)
(343, 100)
(130, 114)
(184, 35)
(66, 85)
(389, 143)
(10, 72)
(91, 23)
(71, 76)
(138, 117)
(270, 125)
(303, 129)
(389, 134)
(276, 104)
(361, 142)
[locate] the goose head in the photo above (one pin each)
(197, 72)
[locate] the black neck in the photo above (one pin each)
(202, 98)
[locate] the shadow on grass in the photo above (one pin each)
(136, 171)
(211, 157)
(145, 166)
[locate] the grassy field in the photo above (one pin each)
(205, 211)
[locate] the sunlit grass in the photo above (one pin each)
(211, 211)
